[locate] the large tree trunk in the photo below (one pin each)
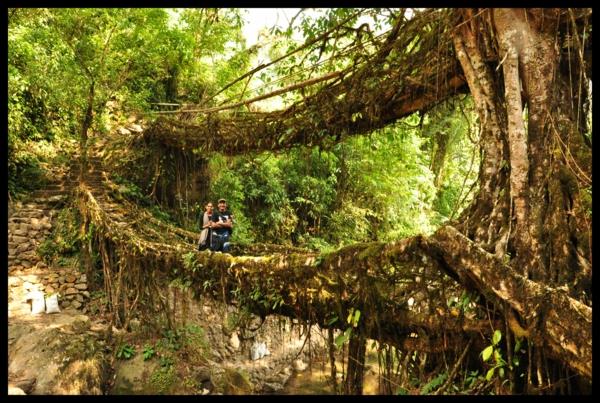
(535, 162)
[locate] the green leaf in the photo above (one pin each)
(490, 374)
(356, 318)
(501, 372)
(342, 338)
(497, 337)
(498, 357)
(487, 353)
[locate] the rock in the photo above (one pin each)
(272, 387)
(204, 391)
(65, 304)
(234, 341)
(135, 128)
(49, 290)
(76, 304)
(299, 365)
(202, 375)
(36, 224)
(123, 131)
(70, 278)
(61, 279)
(81, 286)
(26, 263)
(23, 247)
(13, 390)
(83, 278)
(85, 294)
(235, 383)
(71, 291)
(132, 377)
(79, 298)
(19, 232)
(24, 227)
(19, 239)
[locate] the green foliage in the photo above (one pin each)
(130, 191)
(379, 187)
(188, 341)
(171, 339)
(226, 184)
(494, 351)
(64, 240)
(352, 320)
(450, 135)
(342, 338)
(148, 352)
(433, 384)
(125, 351)
(163, 378)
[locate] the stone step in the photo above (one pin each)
(26, 217)
(45, 194)
(32, 207)
(58, 186)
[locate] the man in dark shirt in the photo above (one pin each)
(222, 225)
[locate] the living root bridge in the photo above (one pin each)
(379, 279)
(401, 288)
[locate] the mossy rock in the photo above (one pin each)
(133, 376)
(234, 382)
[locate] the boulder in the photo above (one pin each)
(234, 382)
(299, 365)
(234, 341)
(56, 360)
(133, 376)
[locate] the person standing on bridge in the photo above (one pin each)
(222, 226)
(205, 234)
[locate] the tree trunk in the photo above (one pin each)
(83, 139)
(357, 346)
(535, 162)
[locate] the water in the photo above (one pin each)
(316, 381)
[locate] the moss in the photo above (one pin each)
(64, 239)
(163, 379)
(234, 382)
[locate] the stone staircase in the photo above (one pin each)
(29, 223)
